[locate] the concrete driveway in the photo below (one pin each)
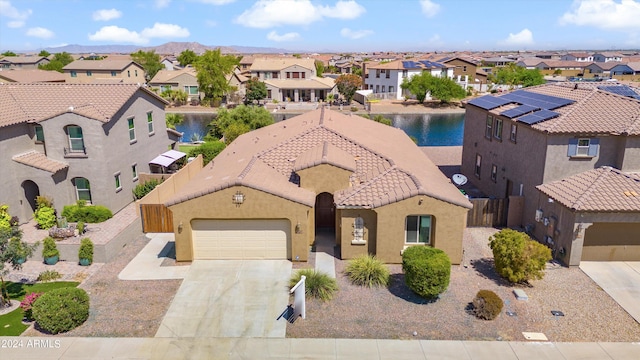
(230, 298)
(620, 279)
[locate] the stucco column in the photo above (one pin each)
(578, 242)
(313, 95)
(295, 95)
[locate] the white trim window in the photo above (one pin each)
(118, 183)
(83, 189)
(487, 132)
(514, 132)
(418, 229)
(582, 148)
(134, 171)
(132, 129)
(150, 122)
(498, 129)
(76, 139)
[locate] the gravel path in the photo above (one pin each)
(123, 308)
(395, 313)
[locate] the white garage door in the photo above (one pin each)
(240, 239)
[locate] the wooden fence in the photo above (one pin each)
(488, 212)
(156, 218)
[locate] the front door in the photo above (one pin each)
(325, 211)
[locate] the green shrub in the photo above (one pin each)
(367, 270)
(49, 248)
(427, 270)
(61, 310)
(80, 227)
(209, 150)
(5, 218)
(86, 250)
(517, 257)
(87, 214)
(49, 275)
(317, 284)
(45, 214)
(143, 189)
(487, 305)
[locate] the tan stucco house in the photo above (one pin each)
(104, 71)
(268, 193)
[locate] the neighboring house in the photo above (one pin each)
(183, 79)
(291, 79)
(607, 56)
(245, 65)
(581, 57)
(170, 63)
(31, 76)
(497, 61)
(75, 142)
(630, 68)
(465, 70)
(93, 71)
(269, 193)
(600, 69)
(22, 62)
(539, 135)
(386, 78)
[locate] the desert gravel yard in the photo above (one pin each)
(122, 308)
(395, 313)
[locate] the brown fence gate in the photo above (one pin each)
(488, 212)
(156, 218)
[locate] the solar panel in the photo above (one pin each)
(541, 101)
(623, 90)
(431, 64)
(538, 116)
(522, 109)
(409, 65)
(489, 102)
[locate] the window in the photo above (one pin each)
(191, 89)
(268, 93)
(583, 147)
(274, 75)
(388, 74)
(487, 132)
(478, 165)
(494, 172)
(76, 141)
(267, 75)
(391, 89)
(377, 73)
(377, 88)
(83, 189)
(116, 177)
(296, 75)
(113, 73)
(150, 121)
(418, 229)
(134, 171)
(514, 132)
(89, 73)
(498, 129)
(358, 231)
(288, 75)
(384, 88)
(132, 129)
(405, 73)
(74, 74)
(128, 73)
(164, 88)
(303, 75)
(39, 133)
(135, 73)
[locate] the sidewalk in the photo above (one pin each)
(263, 348)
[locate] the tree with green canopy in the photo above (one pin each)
(187, 57)
(319, 68)
(232, 123)
(44, 53)
(213, 68)
(58, 61)
(256, 90)
(348, 84)
(441, 88)
(150, 62)
(13, 252)
(514, 75)
(9, 53)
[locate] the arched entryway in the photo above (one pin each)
(325, 211)
(31, 192)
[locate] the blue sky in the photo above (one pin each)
(326, 25)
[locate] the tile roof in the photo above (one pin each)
(594, 111)
(604, 189)
(22, 59)
(165, 76)
(313, 83)
(31, 75)
(276, 64)
(40, 161)
(387, 166)
(36, 102)
(106, 65)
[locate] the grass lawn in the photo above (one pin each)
(186, 147)
(11, 323)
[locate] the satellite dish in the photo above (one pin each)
(459, 179)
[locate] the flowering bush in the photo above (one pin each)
(27, 304)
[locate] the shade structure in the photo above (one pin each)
(167, 158)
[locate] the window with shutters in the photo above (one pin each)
(583, 147)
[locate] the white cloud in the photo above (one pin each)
(604, 14)
(160, 30)
(273, 36)
(18, 17)
(524, 37)
(159, 4)
(429, 8)
(211, 23)
(117, 34)
(216, 2)
(106, 14)
(355, 34)
(40, 32)
(266, 14)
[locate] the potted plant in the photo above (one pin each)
(85, 252)
(20, 250)
(50, 251)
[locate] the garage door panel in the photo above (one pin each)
(240, 239)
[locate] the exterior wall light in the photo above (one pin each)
(180, 228)
(298, 228)
(238, 198)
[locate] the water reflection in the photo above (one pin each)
(427, 129)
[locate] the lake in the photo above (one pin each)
(428, 129)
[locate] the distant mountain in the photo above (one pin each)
(164, 49)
